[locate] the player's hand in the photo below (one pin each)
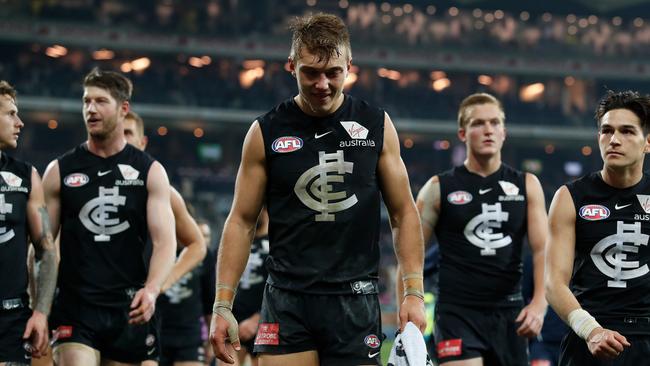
(606, 344)
(143, 305)
(224, 329)
(248, 327)
(412, 310)
(36, 333)
(531, 319)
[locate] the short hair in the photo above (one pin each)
(139, 123)
(476, 99)
(630, 100)
(118, 85)
(321, 34)
(7, 89)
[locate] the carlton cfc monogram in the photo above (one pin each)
(317, 181)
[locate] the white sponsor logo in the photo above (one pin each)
(128, 172)
(314, 187)
(372, 354)
(610, 254)
(644, 200)
(508, 188)
(11, 179)
(5, 208)
(480, 230)
(484, 191)
(355, 130)
(317, 136)
(101, 174)
(94, 215)
(617, 207)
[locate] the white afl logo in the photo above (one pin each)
(75, 180)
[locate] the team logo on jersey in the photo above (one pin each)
(508, 188)
(314, 187)
(76, 180)
(5, 208)
(286, 144)
(180, 291)
(610, 255)
(11, 179)
(594, 212)
(644, 200)
(95, 214)
(459, 198)
(372, 341)
(480, 230)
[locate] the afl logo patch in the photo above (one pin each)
(459, 197)
(286, 144)
(75, 180)
(594, 212)
(372, 341)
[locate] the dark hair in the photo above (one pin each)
(118, 85)
(476, 99)
(321, 34)
(7, 89)
(630, 100)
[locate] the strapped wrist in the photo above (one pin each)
(582, 323)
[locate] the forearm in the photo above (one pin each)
(190, 258)
(561, 298)
(46, 280)
(233, 253)
(160, 264)
(409, 249)
(539, 292)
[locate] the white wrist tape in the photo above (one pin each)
(582, 323)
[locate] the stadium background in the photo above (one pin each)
(204, 69)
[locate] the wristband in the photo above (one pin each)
(582, 323)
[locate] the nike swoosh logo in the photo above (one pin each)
(322, 134)
(149, 352)
(371, 355)
(101, 174)
(617, 207)
(484, 191)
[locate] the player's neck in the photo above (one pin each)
(106, 147)
(623, 177)
(483, 165)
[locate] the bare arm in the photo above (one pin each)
(560, 254)
(160, 222)
(238, 234)
(405, 224)
(532, 316)
(188, 235)
(40, 233)
(428, 205)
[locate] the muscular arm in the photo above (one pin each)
(238, 233)
(560, 254)
(40, 233)
(428, 205)
(532, 316)
(405, 223)
(160, 222)
(188, 235)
